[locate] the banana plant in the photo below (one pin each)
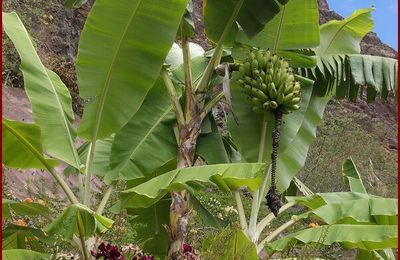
(192, 101)
(115, 73)
(147, 115)
(299, 129)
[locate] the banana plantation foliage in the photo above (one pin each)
(149, 133)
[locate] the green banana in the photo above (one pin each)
(261, 96)
(256, 102)
(267, 105)
(288, 98)
(273, 105)
(279, 98)
(247, 68)
(254, 65)
(294, 107)
(268, 82)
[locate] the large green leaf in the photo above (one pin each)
(385, 254)
(136, 148)
(367, 237)
(340, 65)
(121, 51)
(17, 136)
(225, 176)
(297, 132)
(23, 254)
(252, 17)
(66, 223)
(379, 74)
(22, 208)
(295, 27)
(344, 36)
(139, 142)
(352, 177)
(382, 211)
(151, 229)
(49, 97)
(19, 237)
(101, 160)
(319, 199)
(352, 73)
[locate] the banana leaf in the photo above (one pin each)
(366, 237)
(119, 59)
(352, 177)
(22, 208)
(19, 254)
(226, 176)
(66, 223)
(49, 97)
(18, 141)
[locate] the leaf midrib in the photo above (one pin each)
(278, 32)
(106, 86)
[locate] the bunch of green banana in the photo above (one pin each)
(269, 83)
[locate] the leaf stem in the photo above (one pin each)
(263, 186)
(70, 195)
(215, 58)
(256, 194)
(265, 221)
(262, 139)
(190, 100)
(174, 98)
(242, 215)
(80, 185)
(82, 235)
(105, 199)
(88, 173)
(275, 233)
(210, 105)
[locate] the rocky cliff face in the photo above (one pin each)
(371, 44)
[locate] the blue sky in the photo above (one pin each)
(385, 16)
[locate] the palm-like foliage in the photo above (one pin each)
(136, 134)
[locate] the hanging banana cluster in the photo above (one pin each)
(269, 82)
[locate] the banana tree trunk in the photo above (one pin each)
(179, 209)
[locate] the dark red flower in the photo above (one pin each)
(102, 247)
(187, 248)
(147, 257)
(108, 252)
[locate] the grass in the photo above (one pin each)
(342, 135)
